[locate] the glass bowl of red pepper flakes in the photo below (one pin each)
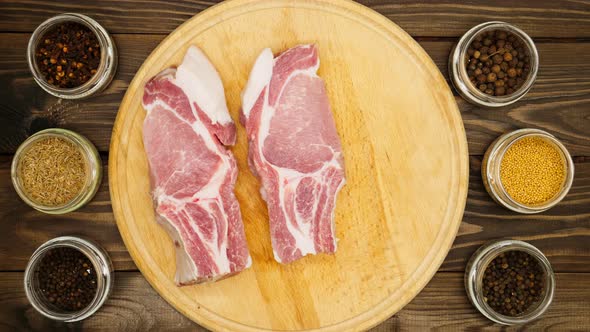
(72, 56)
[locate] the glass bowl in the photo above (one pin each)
(93, 173)
(104, 277)
(458, 72)
(490, 170)
(108, 58)
(474, 280)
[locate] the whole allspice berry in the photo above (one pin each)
(496, 56)
(491, 77)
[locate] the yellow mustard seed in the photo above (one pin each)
(532, 171)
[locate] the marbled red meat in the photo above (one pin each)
(192, 173)
(294, 150)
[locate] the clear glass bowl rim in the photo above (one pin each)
(458, 73)
(493, 183)
(94, 177)
(479, 262)
(102, 265)
(108, 61)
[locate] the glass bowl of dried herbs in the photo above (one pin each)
(68, 278)
(72, 56)
(510, 281)
(56, 171)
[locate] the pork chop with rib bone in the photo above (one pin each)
(295, 150)
(192, 172)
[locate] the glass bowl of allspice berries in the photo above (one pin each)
(494, 64)
(510, 281)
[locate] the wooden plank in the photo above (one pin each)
(26, 108)
(562, 233)
(543, 18)
(442, 304)
(132, 306)
(558, 102)
(25, 229)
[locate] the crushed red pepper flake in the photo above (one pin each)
(68, 55)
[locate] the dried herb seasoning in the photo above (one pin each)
(67, 279)
(513, 282)
(68, 55)
(52, 171)
(497, 62)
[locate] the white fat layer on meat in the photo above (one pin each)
(259, 79)
(200, 81)
(263, 193)
(304, 240)
(248, 262)
(185, 267)
(274, 253)
(188, 74)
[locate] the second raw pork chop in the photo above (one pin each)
(295, 150)
(192, 173)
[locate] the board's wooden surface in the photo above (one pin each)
(406, 166)
(559, 102)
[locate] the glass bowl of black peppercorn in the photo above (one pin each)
(68, 278)
(494, 64)
(72, 56)
(510, 281)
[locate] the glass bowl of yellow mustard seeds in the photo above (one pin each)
(56, 171)
(527, 170)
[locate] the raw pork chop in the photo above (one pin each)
(295, 150)
(192, 173)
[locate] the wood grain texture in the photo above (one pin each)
(540, 18)
(405, 224)
(24, 229)
(557, 103)
(562, 233)
(25, 108)
(442, 305)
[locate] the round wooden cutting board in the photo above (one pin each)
(406, 164)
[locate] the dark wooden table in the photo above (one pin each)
(559, 103)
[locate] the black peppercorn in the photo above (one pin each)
(67, 279)
(514, 281)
